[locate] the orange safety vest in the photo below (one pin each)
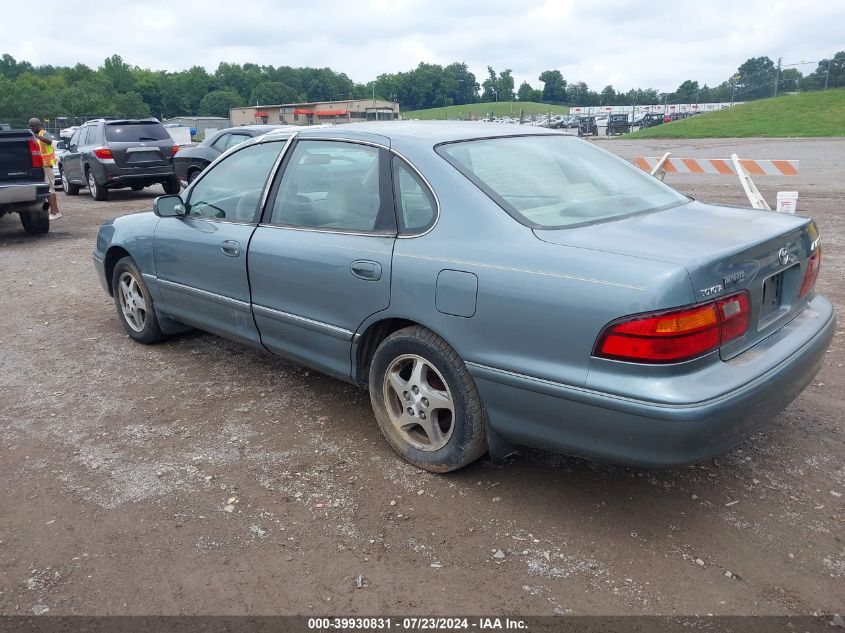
(48, 153)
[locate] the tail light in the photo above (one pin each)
(35, 154)
(812, 273)
(173, 150)
(103, 153)
(678, 335)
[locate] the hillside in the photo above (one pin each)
(808, 114)
(481, 110)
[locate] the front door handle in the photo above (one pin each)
(366, 270)
(230, 248)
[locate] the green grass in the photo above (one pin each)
(481, 110)
(810, 114)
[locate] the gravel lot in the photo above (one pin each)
(200, 477)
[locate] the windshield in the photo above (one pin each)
(557, 181)
(131, 132)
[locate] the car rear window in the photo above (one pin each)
(131, 132)
(557, 181)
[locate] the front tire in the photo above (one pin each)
(426, 402)
(134, 303)
(36, 222)
(98, 192)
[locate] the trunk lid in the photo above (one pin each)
(139, 144)
(15, 157)
(724, 249)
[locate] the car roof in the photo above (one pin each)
(417, 133)
(259, 127)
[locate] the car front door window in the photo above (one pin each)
(232, 189)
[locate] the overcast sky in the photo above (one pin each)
(642, 43)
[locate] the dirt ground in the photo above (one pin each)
(201, 477)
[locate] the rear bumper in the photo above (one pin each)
(576, 420)
(113, 176)
(23, 196)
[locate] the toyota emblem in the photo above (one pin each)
(783, 256)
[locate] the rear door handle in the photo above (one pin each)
(366, 270)
(230, 248)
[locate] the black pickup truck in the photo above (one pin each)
(23, 189)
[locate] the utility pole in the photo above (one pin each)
(827, 74)
(777, 76)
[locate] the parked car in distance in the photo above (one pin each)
(649, 120)
(489, 286)
(617, 124)
(189, 162)
(106, 154)
(586, 125)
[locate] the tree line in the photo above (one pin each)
(119, 89)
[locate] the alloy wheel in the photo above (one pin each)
(419, 402)
(132, 302)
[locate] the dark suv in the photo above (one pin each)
(114, 154)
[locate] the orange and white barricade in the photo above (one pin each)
(743, 168)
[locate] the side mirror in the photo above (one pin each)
(169, 207)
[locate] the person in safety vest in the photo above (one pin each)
(48, 156)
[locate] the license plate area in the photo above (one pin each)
(772, 295)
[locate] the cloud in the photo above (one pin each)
(623, 43)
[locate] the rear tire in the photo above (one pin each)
(98, 191)
(70, 188)
(172, 186)
(134, 303)
(36, 222)
(414, 369)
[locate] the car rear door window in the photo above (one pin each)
(415, 204)
(335, 185)
(232, 189)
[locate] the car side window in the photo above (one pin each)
(415, 204)
(335, 185)
(231, 191)
(95, 136)
(74, 140)
(236, 139)
(83, 136)
(220, 143)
